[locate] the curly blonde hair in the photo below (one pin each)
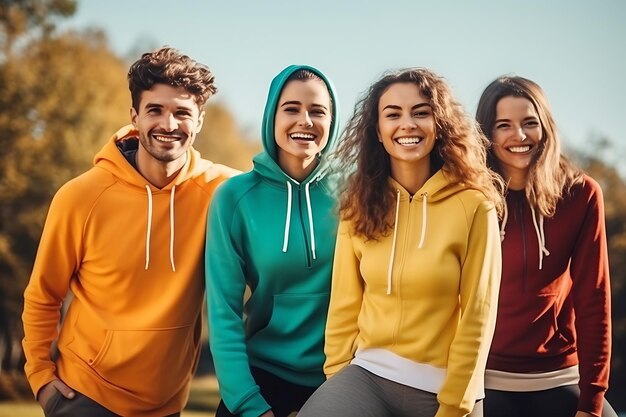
(367, 197)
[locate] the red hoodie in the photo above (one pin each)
(557, 316)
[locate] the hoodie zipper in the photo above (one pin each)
(520, 211)
(307, 249)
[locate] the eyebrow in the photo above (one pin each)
(297, 103)
(523, 120)
(396, 107)
(160, 106)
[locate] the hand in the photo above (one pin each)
(583, 414)
(48, 390)
(269, 413)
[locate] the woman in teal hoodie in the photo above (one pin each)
(273, 231)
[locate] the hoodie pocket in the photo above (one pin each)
(152, 365)
(294, 336)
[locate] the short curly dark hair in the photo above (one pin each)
(168, 66)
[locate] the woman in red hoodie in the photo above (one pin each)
(552, 345)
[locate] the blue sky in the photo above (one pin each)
(576, 50)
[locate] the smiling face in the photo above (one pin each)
(516, 136)
(167, 120)
(302, 125)
(406, 126)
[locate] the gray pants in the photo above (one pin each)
(80, 405)
(355, 392)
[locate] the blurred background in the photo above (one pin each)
(63, 92)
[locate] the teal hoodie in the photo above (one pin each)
(276, 236)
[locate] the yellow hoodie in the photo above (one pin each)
(418, 306)
(132, 255)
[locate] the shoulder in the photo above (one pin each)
(474, 201)
(588, 189)
(80, 194)
(233, 190)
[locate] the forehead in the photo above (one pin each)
(512, 106)
(402, 93)
(306, 90)
(168, 96)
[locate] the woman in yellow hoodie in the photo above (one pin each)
(417, 262)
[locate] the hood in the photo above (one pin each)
(111, 158)
(437, 188)
(266, 162)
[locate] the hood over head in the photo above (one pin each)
(266, 162)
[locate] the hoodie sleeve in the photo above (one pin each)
(226, 284)
(480, 281)
(58, 258)
(592, 302)
(346, 297)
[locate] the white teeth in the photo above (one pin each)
(166, 139)
(408, 141)
(519, 149)
(304, 136)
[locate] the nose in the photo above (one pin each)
(169, 122)
(408, 123)
(306, 120)
(522, 135)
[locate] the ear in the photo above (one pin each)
(200, 122)
(380, 138)
(133, 116)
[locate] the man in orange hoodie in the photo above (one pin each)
(127, 238)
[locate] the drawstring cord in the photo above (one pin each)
(172, 228)
(308, 206)
(425, 195)
(288, 218)
(393, 243)
(149, 227)
(539, 231)
(541, 237)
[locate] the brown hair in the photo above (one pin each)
(550, 174)
(168, 66)
(367, 197)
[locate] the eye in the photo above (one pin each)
(183, 113)
(392, 115)
(153, 110)
(291, 109)
(501, 125)
(421, 113)
(318, 112)
(531, 123)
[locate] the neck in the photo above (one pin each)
(158, 173)
(516, 180)
(410, 175)
(298, 169)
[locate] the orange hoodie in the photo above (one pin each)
(132, 255)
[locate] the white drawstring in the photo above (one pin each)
(172, 228)
(393, 243)
(308, 206)
(149, 226)
(423, 221)
(541, 237)
(288, 219)
(505, 218)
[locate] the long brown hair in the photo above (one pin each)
(366, 196)
(550, 174)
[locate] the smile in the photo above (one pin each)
(409, 141)
(166, 138)
(302, 136)
(519, 149)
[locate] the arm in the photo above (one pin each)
(592, 304)
(226, 284)
(58, 258)
(346, 296)
(480, 281)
